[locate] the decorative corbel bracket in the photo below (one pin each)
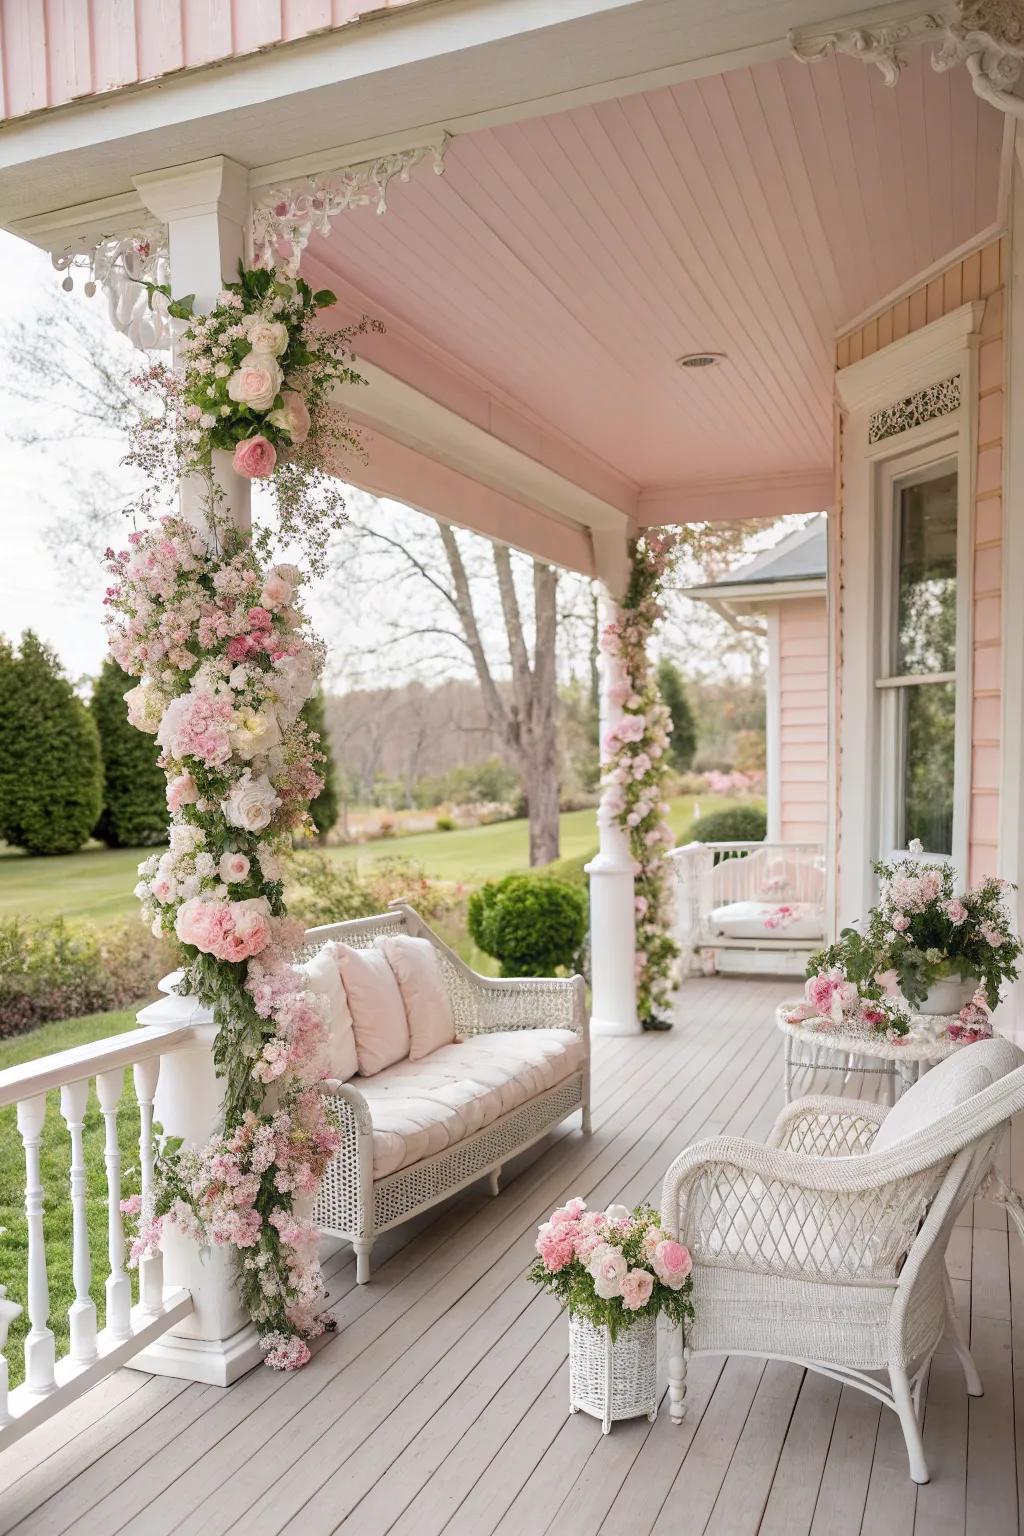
(285, 218)
(986, 35)
(122, 265)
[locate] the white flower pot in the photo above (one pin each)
(948, 995)
(613, 1379)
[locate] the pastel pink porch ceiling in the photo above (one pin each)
(52, 51)
(546, 284)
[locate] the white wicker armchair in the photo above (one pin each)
(352, 1203)
(821, 1248)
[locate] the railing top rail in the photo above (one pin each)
(30, 1078)
(749, 847)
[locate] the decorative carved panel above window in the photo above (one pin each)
(924, 405)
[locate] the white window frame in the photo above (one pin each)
(865, 760)
(916, 468)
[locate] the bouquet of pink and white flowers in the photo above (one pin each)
(612, 1267)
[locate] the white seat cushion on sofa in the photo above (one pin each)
(767, 920)
(945, 1087)
(421, 1107)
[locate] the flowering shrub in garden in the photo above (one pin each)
(52, 970)
(634, 766)
(611, 1267)
(220, 644)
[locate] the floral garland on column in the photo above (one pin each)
(219, 639)
(635, 766)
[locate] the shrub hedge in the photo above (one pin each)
(738, 824)
(53, 970)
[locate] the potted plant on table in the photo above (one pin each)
(614, 1272)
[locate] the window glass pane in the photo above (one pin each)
(928, 729)
(926, 577)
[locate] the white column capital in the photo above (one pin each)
(216, 185)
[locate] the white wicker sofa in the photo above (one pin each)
(827, 1245)
(510, 1088)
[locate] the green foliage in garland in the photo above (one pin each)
(534, 925)
(50, 768)
(324, 809)
(134, 811)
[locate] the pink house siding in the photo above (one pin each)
(52, 51)
(979, 276)
(803, 722)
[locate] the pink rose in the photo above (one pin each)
(991, 935)
(637, 1285)
(292, 417)
(900, 922)
(277, 593)
(233, 868)
(254, 458)
(181, 791)
(672, 1263)
(956, 912)
(608, 1267)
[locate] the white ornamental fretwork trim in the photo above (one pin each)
(924, 405)
(285, 218)
(121, 265)
(986, 35)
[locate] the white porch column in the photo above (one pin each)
(206, 209)
(612, 921)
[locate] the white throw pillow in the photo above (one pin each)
(323, 978)
(944, 1088)
(427, 1008)
(375, 1003)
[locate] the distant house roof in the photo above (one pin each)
(799, 557)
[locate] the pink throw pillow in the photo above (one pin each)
(323, 978)
(427, 1008)
(375, 1003)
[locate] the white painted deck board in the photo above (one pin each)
(439, 1407)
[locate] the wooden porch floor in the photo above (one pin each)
(440, 1405)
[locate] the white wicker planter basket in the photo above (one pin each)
(613, 1379)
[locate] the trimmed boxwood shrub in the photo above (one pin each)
(50, 771)
(738, 824)
(134, 811)
(533, 925)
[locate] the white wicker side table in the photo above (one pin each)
(613, 1379)
(818, 1044)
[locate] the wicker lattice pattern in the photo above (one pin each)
(739, 1217)
(410, 1189)
(613, 1379)
(832, 1134)
(351, 1204)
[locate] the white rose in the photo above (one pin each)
(145, 707)
(251, 803)
(253, 732)
(266, 335)
(608, 1267)
(256, 381)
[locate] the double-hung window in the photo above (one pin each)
(916, 681)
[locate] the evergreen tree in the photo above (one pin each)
(134, 811)
(50, 770)
(683, 742)
(324, 809)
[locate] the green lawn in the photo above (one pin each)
(97, 883)
(55, 1163)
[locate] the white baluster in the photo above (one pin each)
(82, 1312)
(39, 1346)
(9, 1310)
(151, 1270)
(109, 1087)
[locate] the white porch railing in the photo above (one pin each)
(93, 1353)
(765, 902)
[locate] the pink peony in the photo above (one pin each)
(637, 1285)
(991, 935)
(900, 922)
(181, 790)
(672, 1263)
(254, 458)
(956, 912)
